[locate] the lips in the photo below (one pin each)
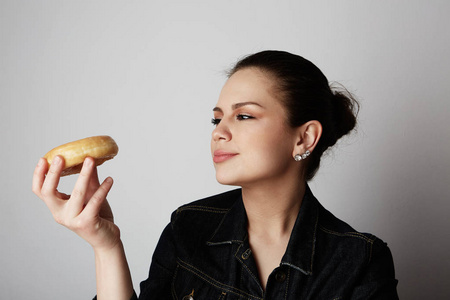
(221, 156)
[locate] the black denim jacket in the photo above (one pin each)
(204, 254)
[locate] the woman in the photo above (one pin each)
(271, 239)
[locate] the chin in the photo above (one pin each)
(226, 181)
(237, 176)
(233, 180)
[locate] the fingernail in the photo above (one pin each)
(87, 162)
(109, 180)
(40, 162)
(56, 160)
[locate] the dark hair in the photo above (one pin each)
(306, 94)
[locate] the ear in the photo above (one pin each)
(308, 136)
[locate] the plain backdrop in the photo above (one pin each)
(148, 73)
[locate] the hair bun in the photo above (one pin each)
(346, 109)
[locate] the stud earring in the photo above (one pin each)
(299, 157)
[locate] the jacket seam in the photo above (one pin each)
(314, 242)
(174, 294)
(223, 243)
(203, 208)
(348, 234)
(287, 284)
(370, 251)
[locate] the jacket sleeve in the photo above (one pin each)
(162, 268)
(158, 284)
(134, 297)
(378, 281)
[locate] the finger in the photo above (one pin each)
(94, 178)
(39, 176)
(95, 203)
(78, 197)
(49, 188)
(94, 182)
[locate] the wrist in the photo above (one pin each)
(109, 250)
(112, 273)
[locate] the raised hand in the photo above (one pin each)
(86, 211)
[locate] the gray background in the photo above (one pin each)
(149, 72)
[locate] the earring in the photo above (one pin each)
(299, 157)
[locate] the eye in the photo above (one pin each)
(215, 121)
(242, 117)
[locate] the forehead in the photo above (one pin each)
(249, 84)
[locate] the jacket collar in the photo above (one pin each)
(233, 228)
(300, 250)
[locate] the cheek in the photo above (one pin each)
(270, 154)
(278, 144)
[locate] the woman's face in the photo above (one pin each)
(252, 142)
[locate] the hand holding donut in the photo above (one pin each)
(85, 211)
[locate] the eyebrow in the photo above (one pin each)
(238, 105)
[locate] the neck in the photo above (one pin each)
(272, 209)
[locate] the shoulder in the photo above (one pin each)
(330, 224)
(339, 249)
(341, 236)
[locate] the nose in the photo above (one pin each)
(221, 132)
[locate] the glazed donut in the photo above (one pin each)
(101, 148)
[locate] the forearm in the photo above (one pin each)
(113, 274)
